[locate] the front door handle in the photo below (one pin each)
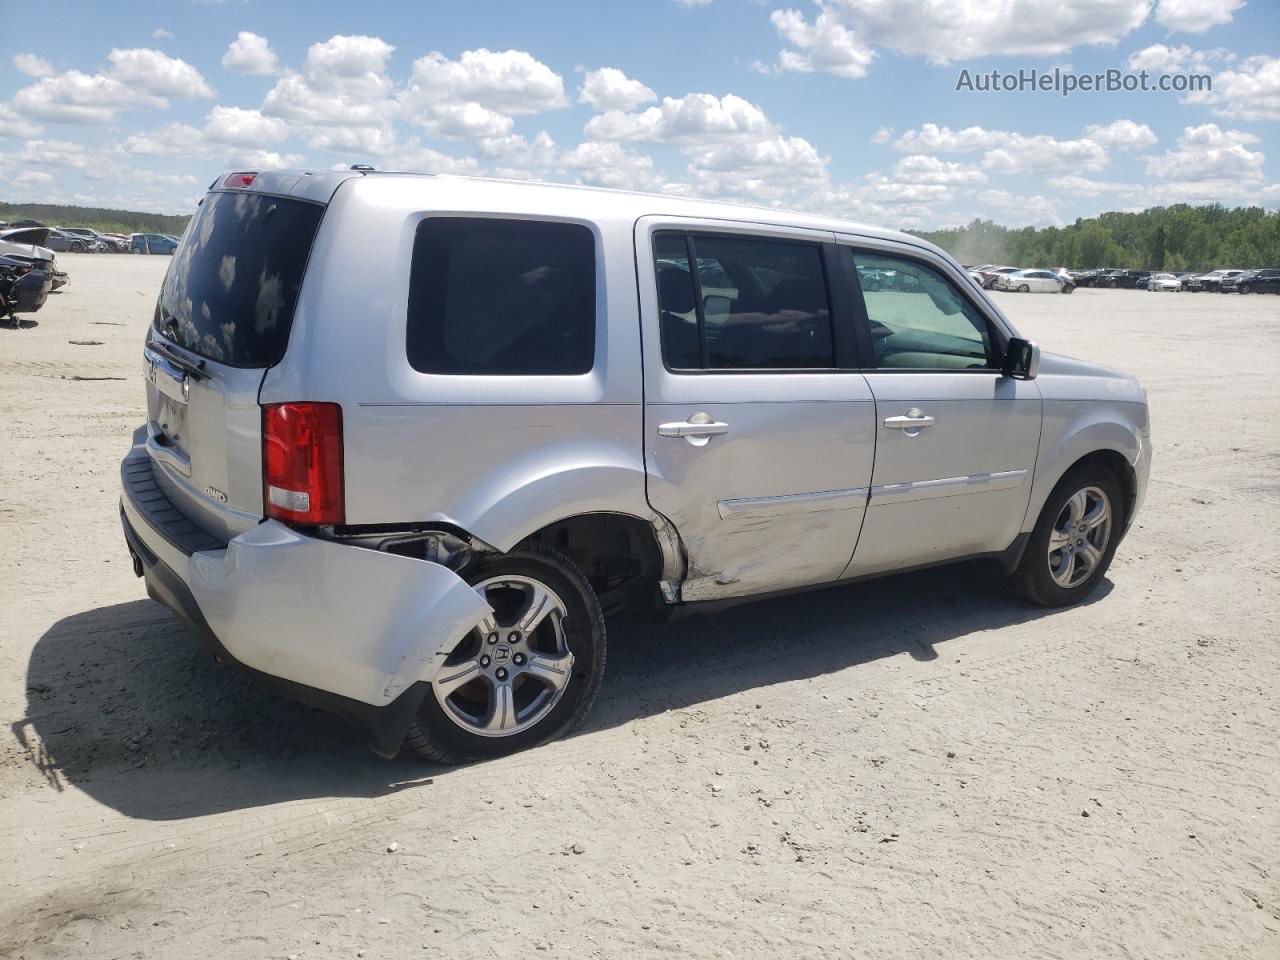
(911, 424)
(698, 429)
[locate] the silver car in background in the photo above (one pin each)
(411, 437)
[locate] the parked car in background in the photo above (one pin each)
(1034, 281)
(1260, 281)
(24, 287)
(1131, 279)
(1164, 283)
(62, 242)
(1212, 282)
(28, 244)
(991, 274)
(152, 243)
(580, 401)
(99, 242)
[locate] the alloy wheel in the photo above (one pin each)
(1079, 538)
(512, 669)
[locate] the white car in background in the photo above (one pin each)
(1034, 281)
(1164, 282)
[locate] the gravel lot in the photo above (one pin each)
(919, 767)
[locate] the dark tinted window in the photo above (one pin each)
(233, 283)
(919, 320)
(681, 346)
(502, 297)
(751, 304)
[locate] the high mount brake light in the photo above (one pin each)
(302, 463)
(240, 180)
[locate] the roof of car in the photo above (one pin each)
(320, 186)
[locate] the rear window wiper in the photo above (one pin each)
(193, 368)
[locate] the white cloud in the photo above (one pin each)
(172, 140)
(137, 79)
(931, 138)
(922, 169)
(1122, 134)
(610, 89)
(160, 33)
(75, 97)
(958, 30)
(343, 83)
(243, 128)
(1195, 16)
(33, 178)
(14, 125)
(1034, 210)
(478, 94)
(1006, 152)
(514, 150)
(694, 3)
(776, 170)
(1020, 153)
(414, 156)
(365, 142)
(1208, 153)
(1084, 187)
(250, 54)
(1249, 91)
(1159, 58)
(612, 165)
(151, 71)
(696, 118)
(826, 44)
(32, 65)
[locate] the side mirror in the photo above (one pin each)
(1021, 359)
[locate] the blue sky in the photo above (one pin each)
(847, 107)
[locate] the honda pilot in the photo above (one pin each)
(410, 438)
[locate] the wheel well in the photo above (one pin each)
(1119, 466)
(617, 552)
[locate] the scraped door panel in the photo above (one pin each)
(763, 472)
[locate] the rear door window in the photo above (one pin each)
(502, 297)
(742, 303)
(231, 289)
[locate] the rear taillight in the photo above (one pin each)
(302, 463)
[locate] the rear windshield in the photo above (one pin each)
(231, 289)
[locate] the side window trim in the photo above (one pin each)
(840, 307)
(998, 332)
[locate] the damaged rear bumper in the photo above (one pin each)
(354, 631)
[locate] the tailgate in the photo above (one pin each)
(223, 319)
(204, 434)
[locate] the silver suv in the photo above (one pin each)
(411, 437)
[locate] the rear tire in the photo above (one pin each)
(458, 726)
(1064, 561)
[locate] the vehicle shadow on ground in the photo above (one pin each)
(126, 705)
(20, 325)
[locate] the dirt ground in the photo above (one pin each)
(918, 767)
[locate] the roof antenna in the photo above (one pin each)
(362, 167)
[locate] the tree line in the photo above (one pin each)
(1180, 237)
(96, 218)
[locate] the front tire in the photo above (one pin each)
(1074, 539)
(527, 674)
(1023, 288)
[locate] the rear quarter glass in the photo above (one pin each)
(231, 290)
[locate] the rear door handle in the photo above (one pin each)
(698, 429)
(712, 429)
(911, 424)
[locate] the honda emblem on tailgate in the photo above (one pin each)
(216, 494)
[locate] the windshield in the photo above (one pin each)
(231, 289)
